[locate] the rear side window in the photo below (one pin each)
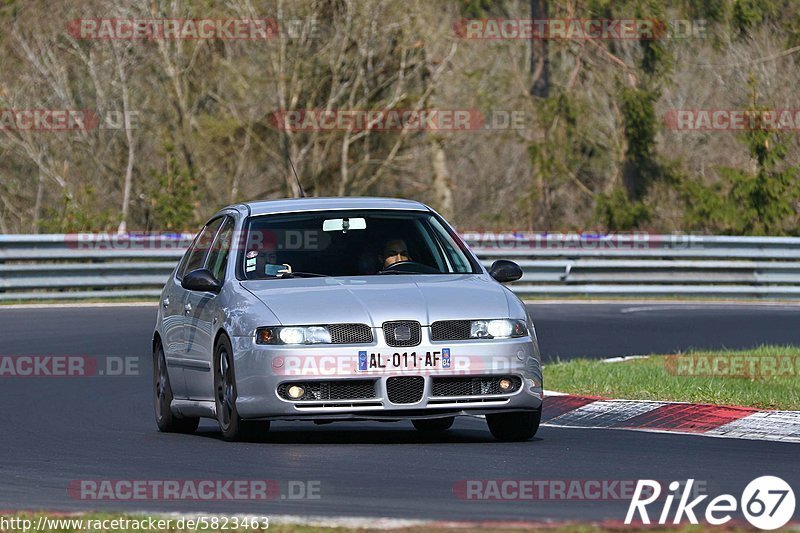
(196, 254)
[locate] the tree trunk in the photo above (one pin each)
(126, 108)
(442, 184)
(540, 64)
(37, 207)
(239, 169)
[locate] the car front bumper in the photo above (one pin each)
(260, 371)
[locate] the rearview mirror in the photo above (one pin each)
(343, 224)
(504, 271)
(201, 280)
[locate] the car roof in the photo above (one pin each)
(289, 205)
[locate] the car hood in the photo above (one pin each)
(375, 299)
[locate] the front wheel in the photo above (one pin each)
(162, 398)
(434, 425)
(232, 426)
(514, 427)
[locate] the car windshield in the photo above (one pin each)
(350, 243)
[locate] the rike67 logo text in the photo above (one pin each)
(767, 502)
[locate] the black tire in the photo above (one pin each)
(434, 425)
(233, 428)
(514, 427)
(162, 398)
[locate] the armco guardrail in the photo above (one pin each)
(80, 266)
(639, 264)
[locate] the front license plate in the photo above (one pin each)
(404, 360)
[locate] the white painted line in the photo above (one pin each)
(659, 402)
(355, 522)
(662, 304)
(788, 306)
(79, 305)
(624, 358)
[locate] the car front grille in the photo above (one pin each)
(350, 333)
(405, 389)
(360, 389)
(402, 333)
(473, 386)
(450, 330)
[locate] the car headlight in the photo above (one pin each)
(293, 335)
(497, 329)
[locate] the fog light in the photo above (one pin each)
(296, 391)
(505, 384)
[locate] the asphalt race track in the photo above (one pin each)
(58, 430)
(610, 330)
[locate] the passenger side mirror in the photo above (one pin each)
(504, 271)
(201, 280)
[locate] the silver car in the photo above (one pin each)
(325, 309)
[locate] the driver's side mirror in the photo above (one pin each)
(201, 280)
(504, 271)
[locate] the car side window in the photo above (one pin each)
(460, 262)
(220, 250)
(201, 245)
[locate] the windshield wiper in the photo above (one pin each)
(296, 274)
(395, 271)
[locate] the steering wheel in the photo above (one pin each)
(411, 266)
(393, 266)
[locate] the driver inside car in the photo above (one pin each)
(394, 251)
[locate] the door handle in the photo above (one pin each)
(187, 307)
(165, 303)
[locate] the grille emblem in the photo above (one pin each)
(402, 333)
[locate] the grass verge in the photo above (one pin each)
(767, 377)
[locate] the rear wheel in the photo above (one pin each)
(232, 426)
(514, 427)
(162, 398)
(434, 425)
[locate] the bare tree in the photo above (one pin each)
(540, 62)
(121, 63)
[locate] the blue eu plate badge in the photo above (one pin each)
(362, 360)
(445, 357)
